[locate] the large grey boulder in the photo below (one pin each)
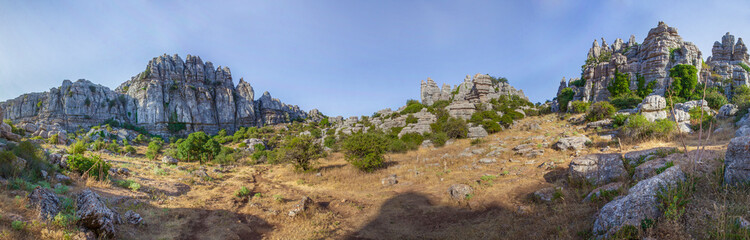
(653, 103)
(95, 215)
(598, 168)
(572, 143)
(640, 203)
(460, 192)
(169, 160)
(45, 202)
(737, 161)
(728, 110)
(477, 132)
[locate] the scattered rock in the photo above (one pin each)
(59, 177)
(598, 168)
(572, 143)
(547, 194)
(728, 110)
(45, 201)
(487, 160)
(635, 156)
(606, 123)
(460, 192)
(639, 204)
(132, 217)
(123, 171)
(301, 206)
(389, 180)
(95, 215)
(169, 160)
(477, 132)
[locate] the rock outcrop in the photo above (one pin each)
(640, 203)
(725, 63)
(737, 161)
(170, 95)
(95, 215)
(478, 89)
(598, 168)
(662, 49)
(45, 202)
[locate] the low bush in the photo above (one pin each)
(600, 111)
(242, 192)
(579, 106)
(638, 128)
(94, 166)
(154, 148)
(456, 128)
(301, 151)
(365, 150)
(695, 119)
(627, 101)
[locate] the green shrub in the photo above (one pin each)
(626, 101)
(684, 79)
(438, 139)
(643, 89)
(411, 119)
(412, 106)
(94, 166)
(456, 128)
(64, 220)
(696, 121)
(578, 83)
(715, 98)
(198, 147)
(639, 128)
(672, 200)
(619, 120)
(130, 149)
(301, 151)
(412, 140)
(7, 168)
(242, 192)
(491, 126)
(365, 150)
(397, 146)
(154, 148)
(599, 111)
(18, 225)
(54, 139)
(579, 106)
(620, 86)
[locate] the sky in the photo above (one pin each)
(347, 58)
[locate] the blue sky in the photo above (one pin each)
(342, 57)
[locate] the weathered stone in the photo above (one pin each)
(477, 132)
(95, 215)
(635, 156)
(546, 194)
(606, 123)
(640, 203)
(132, 217)
(737, 161)
(169, 160)
(301, 206)
(389, 180)
(460, 192)
(572, 143)
(728, 110)
(487, 160)
(45, 202)
(598, 168)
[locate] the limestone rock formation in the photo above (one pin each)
(662, 49)
(725, 63)
(171, 94)
(737, 161)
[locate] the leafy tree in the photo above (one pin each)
(684, 79)
(600, 110)
(565, 96)
(192, 148)
(621, 84)
(301, 151)
(456, 128)
(365, 150)
(210, 150)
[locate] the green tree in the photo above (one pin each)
(365, 150)
(684, 79)
(210, 150)
(456, 128)
(301, 151)
(565, 96)
(191, 149)
(621, 84)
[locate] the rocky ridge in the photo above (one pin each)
(171, 95)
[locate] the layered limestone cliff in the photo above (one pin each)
(662, 49)
(171, 96)
(479, 89)
(724, 66)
